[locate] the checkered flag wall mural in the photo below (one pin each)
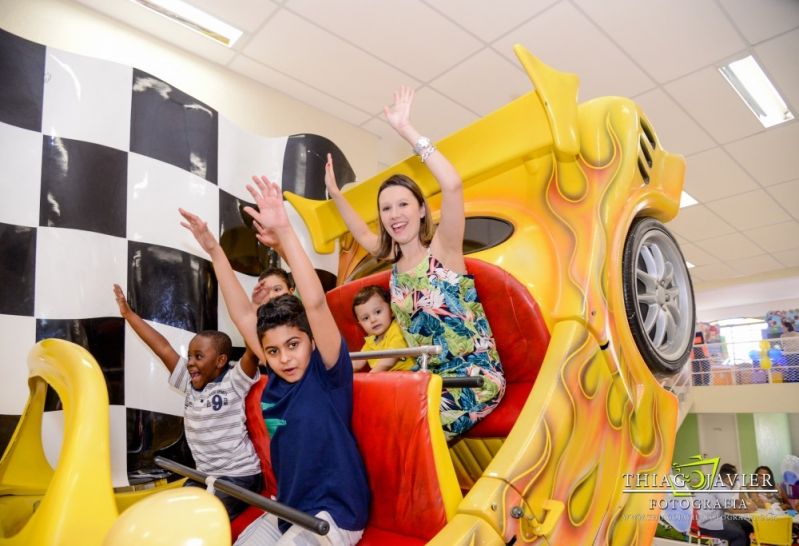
(95, 159)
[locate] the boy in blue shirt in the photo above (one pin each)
(307, 402)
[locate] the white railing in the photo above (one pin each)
(741, 363)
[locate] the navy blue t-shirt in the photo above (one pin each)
(315, 458)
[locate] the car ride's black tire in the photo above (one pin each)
(658, 296)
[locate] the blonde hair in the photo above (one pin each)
(426, 230)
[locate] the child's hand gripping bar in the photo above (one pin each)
(423, 351)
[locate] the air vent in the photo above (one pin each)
(650, 136)
(643, 171)
(646, 147)
(645, 151)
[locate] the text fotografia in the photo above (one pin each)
(697, 476)
(702, 501)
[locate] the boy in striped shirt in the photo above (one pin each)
(213, 410)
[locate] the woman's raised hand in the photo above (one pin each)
(271, 213)
(398, 114)
(198, 228)
(330, 178)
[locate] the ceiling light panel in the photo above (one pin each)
(757, 91)
(194, 19)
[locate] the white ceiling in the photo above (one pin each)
(346, 56)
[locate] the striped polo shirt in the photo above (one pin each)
(215, 423)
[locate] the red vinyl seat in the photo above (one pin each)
(398, 430)
(520, 332)
(256, 427)
(411, 477)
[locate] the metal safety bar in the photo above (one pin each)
(423, 351)
(287, 513)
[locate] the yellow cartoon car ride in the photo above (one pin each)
(591, 305)
(569, 200)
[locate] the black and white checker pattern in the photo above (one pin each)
(95, 159)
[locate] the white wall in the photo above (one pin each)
(765, 398)
(773, 439)
(249, 104)
(793, 428)
(718, 437)
(752, 299)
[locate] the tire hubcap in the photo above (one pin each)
(662, 293)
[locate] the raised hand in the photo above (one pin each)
(398, 114)
(330, 178)
(122, 301)
(199, 228)
(271, 213)
(267, 237)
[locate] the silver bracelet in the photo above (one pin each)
(423, 148)
(426, 152)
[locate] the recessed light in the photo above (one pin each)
(195, 19)
(686, 200)
(757, 91)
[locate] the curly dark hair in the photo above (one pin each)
(220, 340)
(285, 310)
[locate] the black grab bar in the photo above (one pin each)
(474, 382)
(287, 513)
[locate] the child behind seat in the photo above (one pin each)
(213, 410)
(373, 312)
(272, 282)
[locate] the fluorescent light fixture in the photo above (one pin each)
(757, 91)
(689, 264)
(686, 200)
(195, 19)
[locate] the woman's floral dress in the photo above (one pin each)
(437, 306)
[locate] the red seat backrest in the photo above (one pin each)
(390, 423)
(520, 332)
(256, 428)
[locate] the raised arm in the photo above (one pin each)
(249, 362)
(237, 302)
(149, 335)
(360, 231)
(271, 215)
(451, 226)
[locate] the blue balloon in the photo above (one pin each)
(790, 477)
(774, 353)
